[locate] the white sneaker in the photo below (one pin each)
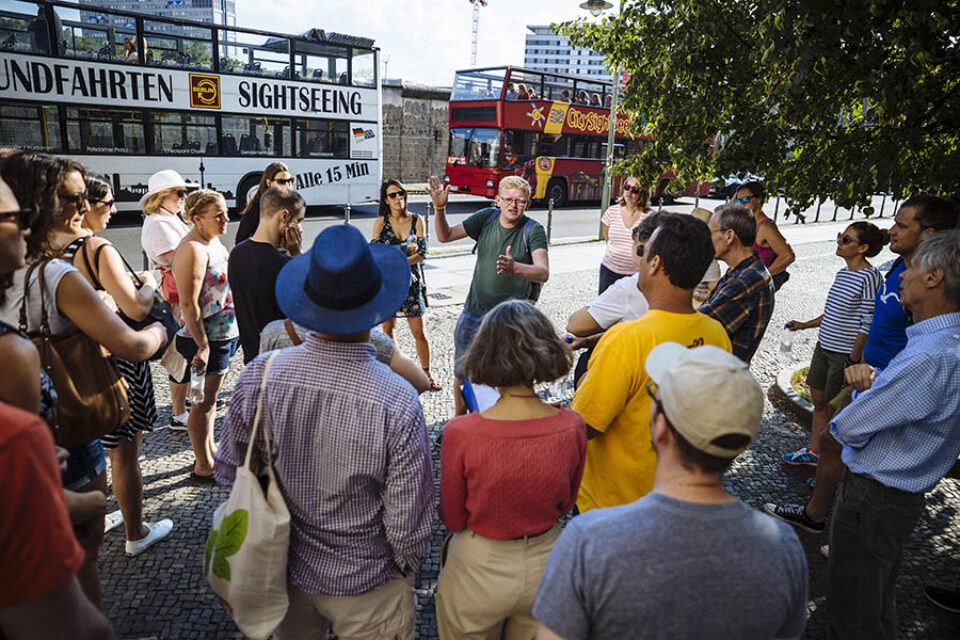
(825, 551)
(155, 533)
(178, 425)
(113, 520)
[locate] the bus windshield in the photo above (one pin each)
(475, 147)
(478, 85)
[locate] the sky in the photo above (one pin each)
(421, 40)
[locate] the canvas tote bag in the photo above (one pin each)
(246, 556)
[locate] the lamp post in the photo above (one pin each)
(596, 7)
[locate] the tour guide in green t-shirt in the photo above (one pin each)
(505, 267)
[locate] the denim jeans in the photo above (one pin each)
(871, 523)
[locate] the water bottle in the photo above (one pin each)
(412, 243)
(196, 384)
(786, 349)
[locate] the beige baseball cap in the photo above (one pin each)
(706, 393)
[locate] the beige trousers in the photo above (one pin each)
(487, 587)
(386, 613)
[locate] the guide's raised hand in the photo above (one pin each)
(505, 263)
(438, 191)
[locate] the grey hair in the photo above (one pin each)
(738, 218)
(941, 250)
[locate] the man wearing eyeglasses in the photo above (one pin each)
(688, 560)
(511, 259)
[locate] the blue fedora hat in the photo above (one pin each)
(343, 284)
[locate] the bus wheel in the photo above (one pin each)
(246, 189)
(557, 190)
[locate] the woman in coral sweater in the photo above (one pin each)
(507, 475)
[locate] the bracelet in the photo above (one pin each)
(436, 208)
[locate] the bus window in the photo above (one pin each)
(478, 85)
(29, 127)
(322, 138)
(184, 134)
(323, 63)
(553, 144)
(185, 48)
(99, 130)
(476, 147)
(364, 68)
(256, 136)
(518, 146)
(23, 27)
(255, 55)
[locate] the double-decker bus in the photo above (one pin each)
(550, 128)
(129, 94)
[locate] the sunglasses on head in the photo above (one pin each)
(397, 194)
(631, 189)
(78, 199)
(20, 218)
(284, 181)
(843, 238)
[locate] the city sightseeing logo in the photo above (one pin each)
(204, 91)
(536, 115)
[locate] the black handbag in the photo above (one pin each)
(159, 312)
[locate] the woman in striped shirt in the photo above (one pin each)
(844, 325)
(618, 223)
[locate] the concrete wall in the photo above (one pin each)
(415, 130)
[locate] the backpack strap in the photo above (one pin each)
(291, 332)
(494, 214)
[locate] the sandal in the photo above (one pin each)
(434, 385)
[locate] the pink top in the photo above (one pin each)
(510, 478)
(619, 255)
(766, 254)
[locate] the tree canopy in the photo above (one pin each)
(823, 98)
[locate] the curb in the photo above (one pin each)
(789, 399)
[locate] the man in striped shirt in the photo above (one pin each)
(743, 298)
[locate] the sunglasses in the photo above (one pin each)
(745, 199)
(20, 218)
(844, 239)
(78, 199)
(634, 189)
(285, 181)
(181, 193)
(640, 250)
(397, 194)
(106, 203)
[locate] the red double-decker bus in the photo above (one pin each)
(550, 128)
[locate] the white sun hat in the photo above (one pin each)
(164, 180)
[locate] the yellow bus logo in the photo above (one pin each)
(204, 91)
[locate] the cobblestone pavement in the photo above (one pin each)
(162, 591)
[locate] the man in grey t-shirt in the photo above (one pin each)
(688, 560)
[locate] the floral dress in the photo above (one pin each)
(415, 304)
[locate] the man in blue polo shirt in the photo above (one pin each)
(919, 217)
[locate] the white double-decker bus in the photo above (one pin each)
(129, 94)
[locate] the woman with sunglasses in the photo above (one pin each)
(770, 245)
(618, 223)
(103, 267)
(163, 229)
(844, 325)
(275, 173)
(397, 226)
(56, 194)
(507, 474)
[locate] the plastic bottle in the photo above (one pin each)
(196, 384)
(786, 348)
(412, 243)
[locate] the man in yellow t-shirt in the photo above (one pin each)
(613, 398)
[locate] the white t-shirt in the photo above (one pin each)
(162, 232)
(60, 325)
(621, 302)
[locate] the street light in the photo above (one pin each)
(596, 7)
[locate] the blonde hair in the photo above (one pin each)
(152, 204)
(644, 194)
(516, 344)
(198, 201)
(514, 182)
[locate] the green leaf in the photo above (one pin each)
(221, 568)
(233, 531)
(208, 552)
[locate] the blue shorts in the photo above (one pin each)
(220, 353)
(85, 464)
(466, 330)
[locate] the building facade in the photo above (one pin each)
(223, 12)
(546, 51)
